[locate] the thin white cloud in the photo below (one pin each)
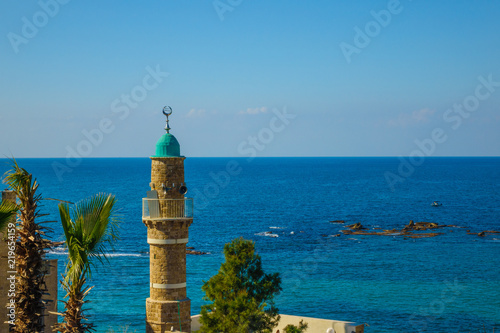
(253, 111)
(414, 118)
(195, 113)
(423, 115)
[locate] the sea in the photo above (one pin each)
(391, 283)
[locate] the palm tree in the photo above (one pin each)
(30, 248)
(89, 228)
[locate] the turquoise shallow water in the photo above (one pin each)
(448, 283)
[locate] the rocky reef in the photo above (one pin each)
(483, 233)
(411, 230)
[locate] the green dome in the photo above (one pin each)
(168, 146)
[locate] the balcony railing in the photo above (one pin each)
(156, 209)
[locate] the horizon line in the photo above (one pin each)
(257, 157)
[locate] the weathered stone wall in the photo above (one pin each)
(51, 280)
(168, 261)
(314, 325)
(168, 306)
(163, 315)
(168, 171)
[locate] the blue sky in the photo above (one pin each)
(261, 77)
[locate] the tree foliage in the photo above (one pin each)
(241, 294)
(7, 212)
(296, 329)
(89, 227)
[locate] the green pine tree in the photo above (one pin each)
(241, 294)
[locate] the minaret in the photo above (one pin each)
(167, 214)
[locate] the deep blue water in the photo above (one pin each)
(449, 283)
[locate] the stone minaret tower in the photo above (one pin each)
(167, 214)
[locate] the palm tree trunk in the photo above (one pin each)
(74, 317)
(30, 270)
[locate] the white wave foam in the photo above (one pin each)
(124, 255)
(58, 251)
(267, 234)
(276, 228)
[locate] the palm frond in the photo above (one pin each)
(89, 229)
(7, 211)
(64, 201)
(17, 178)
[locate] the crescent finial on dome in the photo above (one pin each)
(167, 111)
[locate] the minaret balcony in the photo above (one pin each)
(167, 209)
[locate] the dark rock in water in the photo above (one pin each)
(195, 252)
(323, 235)
(426, 225)
(356, 226)
(481, 234)
(424, 235)
(191, 250)
(422, 226)
(410, 226)
(337, 221)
